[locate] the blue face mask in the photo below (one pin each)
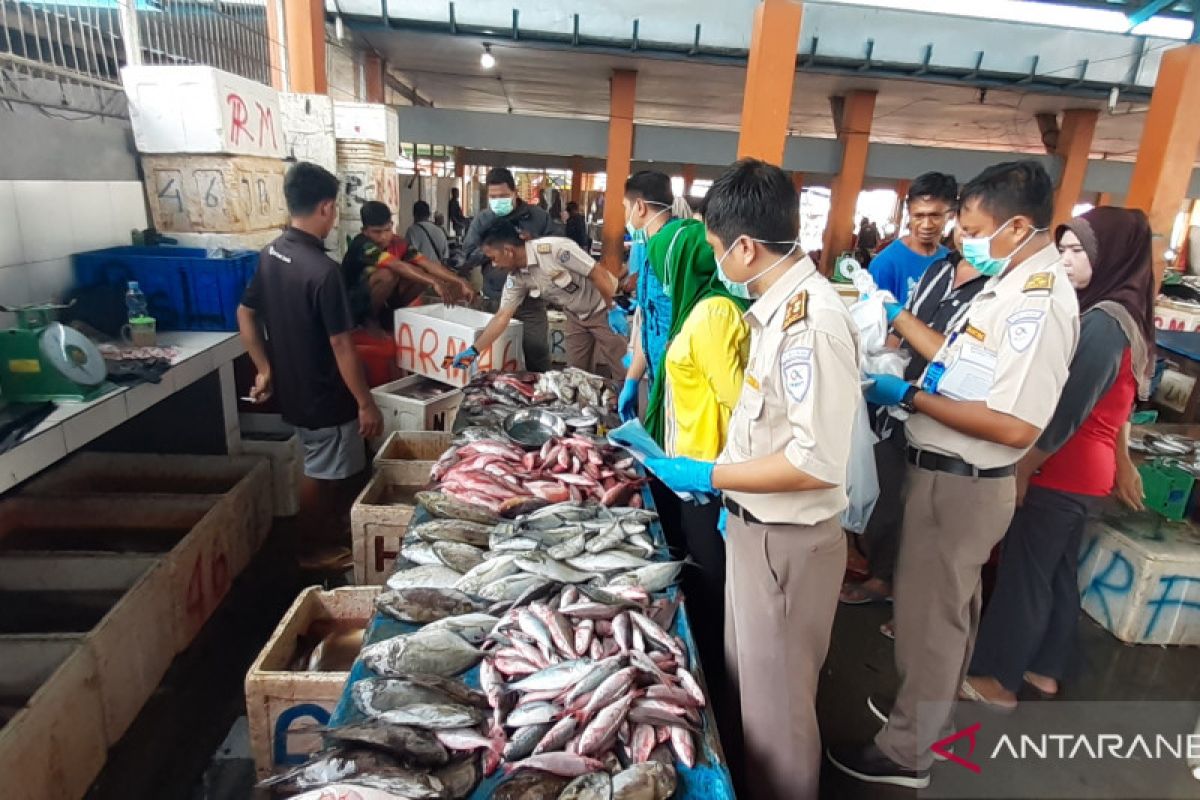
(742, 290)
(977, 250)
(501, 206)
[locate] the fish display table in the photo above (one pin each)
(708, 779)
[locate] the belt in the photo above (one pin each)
(955, 466)
(740, 512)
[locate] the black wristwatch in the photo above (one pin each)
(906, 402)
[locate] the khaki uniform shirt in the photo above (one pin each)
(800, 395)
(557, 271)
(1022, 328)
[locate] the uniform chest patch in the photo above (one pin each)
(543, 249)
(796, 369)
(564, 257)
(797, 310)
(1023, 329)
(1039, 282)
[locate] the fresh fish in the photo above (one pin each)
(652, 578)
(568, 765)
(413, 746)
(593, 786)
(554, 678)
(586, 609)
(474, 627)
(419, 552)
(672, 694)
(689, 684)
(570, 548)
(374, 696)
(548, 568)
(516, 506)
(608, 561)
(358, 766)
(454, 689)
(515, 545)
(557, 737)
(607, 539)
(646, 664)
(683, 745)
(644, 740)
(610, 690)
(603, 728)
(458, 556)
(442, 505)
(622, 631)
(487, 572)
(560, 630)
(357, 791)
(524, 739)
(532, 786)
(452, 530)
(535, 628)
(536, 713)
(656, 634)
(651, 780)
(425, 604)
(462, 739)
(460, 777)
(433, 716)
(437, 652)
(620, 597)
(584, 631)
(510, 588)
(601, 671)
(424, 577)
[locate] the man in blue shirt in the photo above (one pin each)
(931, 201)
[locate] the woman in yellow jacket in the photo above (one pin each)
(707, 347)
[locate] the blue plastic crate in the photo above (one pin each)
(185, 290)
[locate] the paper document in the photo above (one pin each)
(970, 375)
(634, 437)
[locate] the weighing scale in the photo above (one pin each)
(43, 360)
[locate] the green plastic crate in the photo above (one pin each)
(1167, 488)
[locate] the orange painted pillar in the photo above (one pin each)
(902, 187)
(622, 97)
(1104, 199)
(767, 98)
(855, 135)
(798, 181)
(689, 179)
(1170, 139)
(460, 164)
(1074, 147)
(373, 72)
(576, 178)
(276, 42)
(304, 25)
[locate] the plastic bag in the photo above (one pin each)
(862, 482)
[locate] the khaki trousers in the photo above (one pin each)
(781, 592)
(593, 346)
(951, 524)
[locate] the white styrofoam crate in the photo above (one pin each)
(1142, 583)
(427, 335)
(214, 194)
(252, 240)
(362, 182)
(308, 128)
(269, 436)
(195, 109)
(558, 338)
(403, 412)
(368, 122)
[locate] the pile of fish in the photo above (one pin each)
(579, 397)
(500, 562)
(502, 477)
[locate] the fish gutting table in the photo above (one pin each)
(708, 780)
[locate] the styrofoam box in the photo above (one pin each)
(370, 122)
(362, 182)
(427, 335)
(214, 194)
(269, 436)
(558, 337)
(308, 128)
(1143, 585)
(192, 109)
(405, 413)
(251, 240)
(1172, 315)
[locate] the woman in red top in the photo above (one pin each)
(1029, 628)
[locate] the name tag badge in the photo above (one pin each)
(975, 333)
(752, 382)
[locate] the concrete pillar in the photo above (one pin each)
(277, 46)
(770, 71)
(373, 67)
(854, 132)
(1074, 147)
(798, 181)
(622, 98)
(304, 33)
(689, 179)
(576, 178)
(1170, 139)
(460, 165)
(902, 187)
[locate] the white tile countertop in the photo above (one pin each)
(72, 425)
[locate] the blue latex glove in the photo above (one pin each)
(627, 401)
(887, 390)
(892, 310)
(722, 521)
(683, 474)
(627, 360)
(466, 358)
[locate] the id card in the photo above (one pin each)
(971, 374)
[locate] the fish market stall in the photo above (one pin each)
(531, 641)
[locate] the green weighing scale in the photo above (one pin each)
(42, 360)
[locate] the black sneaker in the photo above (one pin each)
(881, 706)
(868, 763)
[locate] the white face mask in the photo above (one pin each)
(742, 290)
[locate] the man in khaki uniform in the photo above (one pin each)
(782, 474)
(990, 387)
(556, 269)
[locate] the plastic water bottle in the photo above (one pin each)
(135, 302)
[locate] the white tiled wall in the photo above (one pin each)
(43, 222)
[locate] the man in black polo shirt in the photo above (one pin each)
(295, 322)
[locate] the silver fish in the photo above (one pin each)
(536, 713)
(510, 588)
(566, 764)
(460, 777)
(531, 625)
(601, 671)
(539, 564)
(594, 786)
(374, 696)
(613, 687)
(603, 728)
(608, 561)
(524, 739)
(493, 569)
(474, 628)
(436, 652)
(652, 578)
(426, 577)
(557, 737)
(452, 530)
(419, 552)
(530, 786)
(425, 604)
(442, 505)
(433, 716)
(413, 746)
(570, 548)
(515, 544)
(656, 634)
(458, 556)
(607, 539)
(361, 767)
(649, 781)
(554, 678)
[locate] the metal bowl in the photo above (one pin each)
(533, 427)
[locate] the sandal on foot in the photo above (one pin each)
(969, 692)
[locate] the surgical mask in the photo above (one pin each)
(977, 250)
(742, 290)
(636, 233)
(501, 206)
